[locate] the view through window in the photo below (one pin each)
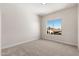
(54, 26)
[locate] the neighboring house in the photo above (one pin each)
(53, 31)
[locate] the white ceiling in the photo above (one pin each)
(41, 9)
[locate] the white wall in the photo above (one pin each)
(78, 26)
(69, 26)
(0, 31)
(18, 25)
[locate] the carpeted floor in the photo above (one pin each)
(41, 48)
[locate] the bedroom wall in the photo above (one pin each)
(19, 25)
(69, 26)
(0, 31)
(78, 26)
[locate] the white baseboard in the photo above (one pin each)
(63, 42)
(16, 44)
(33, 40)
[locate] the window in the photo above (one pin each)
(54, 26)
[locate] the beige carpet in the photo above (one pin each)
(41, 48)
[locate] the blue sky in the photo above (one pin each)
(55, 22)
